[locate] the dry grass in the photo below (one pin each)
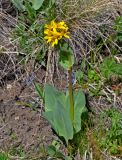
(87, 19)
(78, 9)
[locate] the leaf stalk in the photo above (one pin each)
(71, 95)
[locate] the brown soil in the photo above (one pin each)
(21, 128)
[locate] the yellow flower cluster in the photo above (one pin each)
(55, 31)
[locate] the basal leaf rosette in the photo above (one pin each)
(55, 31)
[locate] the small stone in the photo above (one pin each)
(9, 86)
(17, 118)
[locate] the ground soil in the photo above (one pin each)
(22, 126)
(22, 129)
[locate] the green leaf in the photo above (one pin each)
(106, 67)
(31, 13)
(51, 2)
(80, 108)
(54, 152)
(66, 56)
(57, 111)
(118, 24)
(37, 4)
(117, 68)
(49, 115)
(60, 120)
(39, 90)
(51, 96)
(110, 67)
(63, 122)
(18, 4)
(68, 158)
(51, 150)
(4, 156)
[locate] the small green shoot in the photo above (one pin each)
(4, 156)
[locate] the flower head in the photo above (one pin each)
(55, 31)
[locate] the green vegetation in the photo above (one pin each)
(118, 28)
(109, 67)
(112, 135)
(3, 156)
(82, 39)
(28, 33)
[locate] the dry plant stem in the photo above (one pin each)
(71, 95)
(49, 67)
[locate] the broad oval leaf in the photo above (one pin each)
(57, 111)
(59, 118)
(37, 4)
(79, 108)
(51, 96)
(66, 57)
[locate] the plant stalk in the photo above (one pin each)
(71, 95)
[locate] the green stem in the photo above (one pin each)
(71, 95)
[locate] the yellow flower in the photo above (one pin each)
(55, 31)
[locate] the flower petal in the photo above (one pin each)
(53, 43)
(46, 37)
(46, 31)
(66, 36)
(55, 31)
(56, 41)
